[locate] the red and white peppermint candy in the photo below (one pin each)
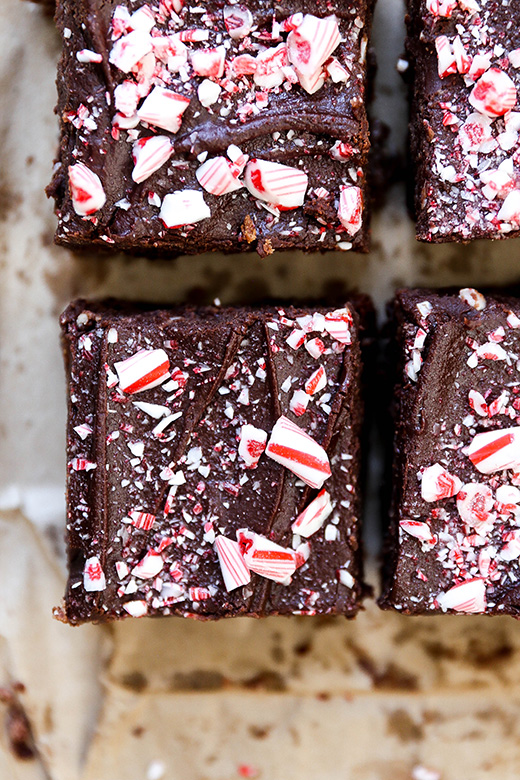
(338, 325)
(475, 502)
(437, 483)
(128, 50)
(495, 450)
(419, 530)
(281, 185)
(265, 557)
(126, 98)
(184, 207)
(243, 65)
(494, 94)
(234, 571)
(336, 70)
(511, 549)
(86, 55)
(497, 183)
(294, 449)
(313, 83)
(316, 382)
(475, 135)
(446, 62)
(313, 516)
(142, 19)
(143, 520)
(120, 21)
(312, 43)
(142, 371)
(473, 298)
(443, 8)
(81, 464)
(461, 55)
(93, 575)
(315, 348)
(149, 566)
(252, 444)
(136, 608)
(269, 67)
(299, 402)
(468, 597)
(217, 176)
(478, 403)
(238, 20)
(171, 51)
(199, 594)
(208, 92)
(209, 62)
(149, 155)
(164, 108)
(350, 209)
(510, 210)
(86, 190)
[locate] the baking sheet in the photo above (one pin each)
(381, 698)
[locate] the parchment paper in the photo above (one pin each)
(383, 698)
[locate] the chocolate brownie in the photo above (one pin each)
(465, 122)
(188, 128)
(453, 542)
(213, 461)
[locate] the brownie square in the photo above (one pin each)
(465, 61)
(453, 543)
(213, 461)
(212, 127)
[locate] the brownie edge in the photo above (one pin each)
(213, 461)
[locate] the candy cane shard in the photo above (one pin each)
(234, 571)
(338, 325)
(468, 597)
(350, 209)
(184, 207)
(281, 185)
(149, 566)
(93, 575)
(143, 371)
(143, 520)
(164, 108)
(297, 451)
(149, 155)
(316, 382)
(252, 444)
(313, 516)
(86, 190)
(128, 50)
(474, 504)
(312, 43)
(238, 20)
(419, 530)
(495, 450)
(216, 176)
(266, 558)
(437, 483)
(494, 94)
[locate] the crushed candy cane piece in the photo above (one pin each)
(310, 45)
(209, 62)
(137, 608)
(143, 520)
(164, 108)
(265, 557)
(130, 49)
(350, 209)
(86, 190)
(475, 503)
(338, 325)
(495, 450)
(419, 530)
(468, 597)
(316, 382)
(473, 298)
(313, 516)
(216, 176)
(93, 575)
(150, 154)
(234, 571)
(294, 449)
(437, 483)
(281, 185)
(149, 566)
(184, 207)
(494, 94)
(252, 444)
(143, 371)
(299, 402)
(238, 20)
